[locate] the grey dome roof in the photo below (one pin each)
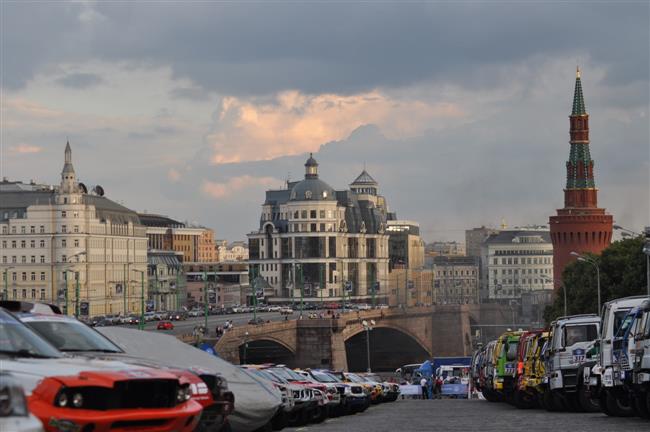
(312, 189)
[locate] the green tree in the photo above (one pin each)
(622, 273)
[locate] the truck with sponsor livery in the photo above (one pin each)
(599, 376)
(571, 337)
(504, 360)
(641, 362)
(529, 368)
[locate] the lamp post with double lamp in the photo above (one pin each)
(646, 248)
(368, 328)
(593, 262)
(141, 320)
(5, 273)
(76, 289)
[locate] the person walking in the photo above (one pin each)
(425, 391)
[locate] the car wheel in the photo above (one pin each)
(618, 406)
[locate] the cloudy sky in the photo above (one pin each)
(459, 110)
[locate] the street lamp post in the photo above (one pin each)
(302, 290)
(245, 347)
(5, 295)
(368, 327)
(595, 264)
(141, 320)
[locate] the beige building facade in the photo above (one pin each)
(61, 242)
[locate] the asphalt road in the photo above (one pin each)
(472, 415)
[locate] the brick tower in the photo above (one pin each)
(580, 226)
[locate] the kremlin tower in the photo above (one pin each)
(580, 226)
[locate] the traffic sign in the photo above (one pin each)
(348, 286)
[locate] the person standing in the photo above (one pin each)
(425, 392)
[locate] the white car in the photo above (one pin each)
(15, 415)
(286, 311)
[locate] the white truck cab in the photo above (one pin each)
(641, 361)
(571, 337)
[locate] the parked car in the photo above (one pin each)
(256, 321)
(14, 415)
(75, 338)
(61, 391)
(165, 325)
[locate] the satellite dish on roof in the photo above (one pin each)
(98, 190)
(83, 188)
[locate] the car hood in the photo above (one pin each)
(29, 371)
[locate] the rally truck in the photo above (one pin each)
(571, 337)
(504, 359)
(641, 362)
(529, 372)
(598, 377)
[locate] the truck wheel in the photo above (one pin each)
(585, 401)
(642, 402)
(618, 406)
(550, 401)
(280, 421)
(490, 396)
(522, 400)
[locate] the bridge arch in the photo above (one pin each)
(390, 347)
(266, 350)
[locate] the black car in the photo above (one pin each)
(255, 321)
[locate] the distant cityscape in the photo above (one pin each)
(70, 245)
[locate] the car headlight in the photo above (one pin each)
(12, 397)
(62, 399)
(77, 400)
(183, 393)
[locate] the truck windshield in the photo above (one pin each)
(579, 333)
(619, 316)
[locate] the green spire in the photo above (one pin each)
(578, 99)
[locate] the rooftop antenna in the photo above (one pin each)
(288, 178)
(503, 223)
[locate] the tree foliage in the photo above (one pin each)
(622, 273)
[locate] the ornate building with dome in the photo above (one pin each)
(321, 242)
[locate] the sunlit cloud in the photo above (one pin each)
(295, 122)
(236, 184)
(173, 175)
(25, 149)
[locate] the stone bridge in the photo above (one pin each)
(398, 337)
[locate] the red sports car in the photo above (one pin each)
(165, 325)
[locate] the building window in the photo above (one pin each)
(42, 229)
(13, 244)
(76, 243)
(24, 293)
(13, 230)
(24, 276)
(33, 276)
(4, 259)
(23, 259)
(4, 228)
(42, 276)
(13, 259)
(63, 214)
(32, 244)
(64, 258)
(303, 214)
(33, 259)
(76, 228)
(64, 229)
(42, 293)
(64, 243)
(75, 214)
(32, 229)
(312, 214)
(23, 244)
(42, 243)
(4, 244)
(23, 230)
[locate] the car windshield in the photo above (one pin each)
(353, 378)
(579, 333)
(287, 374)
(72, 336)
(269, 376)
(16, 339)
(323, 377)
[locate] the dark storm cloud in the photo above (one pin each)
(80, 80)
(344, 48)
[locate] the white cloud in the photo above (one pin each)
(25, 149)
